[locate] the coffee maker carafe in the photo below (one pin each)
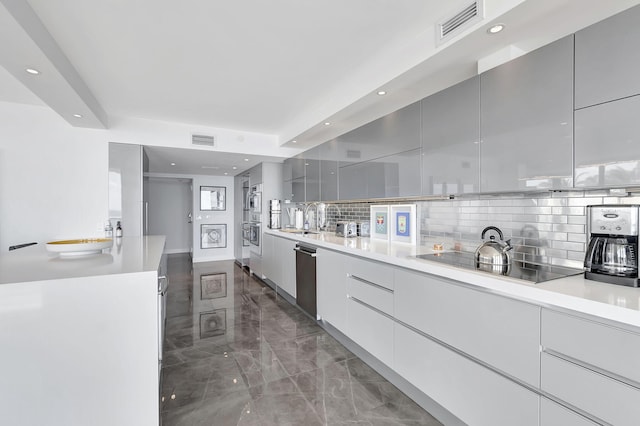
(612, 253)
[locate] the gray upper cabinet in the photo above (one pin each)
(391, 134)
(293, 172)
(450, 136)
(312, 174)
(526, 116)
(608, 59)
(329, 171)
(396, 175)
(607, 151)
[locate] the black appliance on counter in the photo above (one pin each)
(612, 253)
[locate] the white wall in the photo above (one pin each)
(169, 204)
(53, 177)
(213, 217)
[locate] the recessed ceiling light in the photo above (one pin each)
(234, 168)
(225, 173)
(495, 29)
(173, 164)
(77, 115)
(32, 71)
(294, 141)
(246, 159)
(306, 164)
(381, 92)
(327, 123)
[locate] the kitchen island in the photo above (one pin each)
(486, 348)
(80, 335)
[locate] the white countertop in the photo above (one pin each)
(35, 263)
(607, 301)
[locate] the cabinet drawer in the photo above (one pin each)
(471, 392)
(592, 343)
(502, 332)
(371, 330)
(372, 294)
(554, 414)
(374, 272)
(608, 399)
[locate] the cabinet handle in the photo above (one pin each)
(304, 252)
(591, 367)
(366, 305)
(362, 280)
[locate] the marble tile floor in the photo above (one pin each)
(235, 353)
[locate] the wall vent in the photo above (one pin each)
(202, 140)
(451, 26)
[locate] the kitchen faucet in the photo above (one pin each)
(306, 214)
(324, 220)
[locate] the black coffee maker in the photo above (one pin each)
(612, 253)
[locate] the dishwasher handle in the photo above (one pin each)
(305, 252)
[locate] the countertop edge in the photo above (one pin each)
(552, 294)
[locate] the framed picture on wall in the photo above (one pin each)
(379, 222)
(213, 286)
(403, 220)
(213, 236)
(213, 198)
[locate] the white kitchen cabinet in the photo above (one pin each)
(286, 258)
(606, 398)
(331, 288)
(553, 414)
(579, 367)
(370, 329)
(471, 392)
(526, 119)
(370, 307)
(270, 266)
(501, 332)
(590, 342)
(606, 60)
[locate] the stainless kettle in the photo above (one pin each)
(493, 256)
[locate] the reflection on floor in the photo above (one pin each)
(236, 354)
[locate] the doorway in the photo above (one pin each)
(169, 212)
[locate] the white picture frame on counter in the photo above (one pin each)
(379, 222)
(402, 224)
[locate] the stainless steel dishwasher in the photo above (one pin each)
(306, 278)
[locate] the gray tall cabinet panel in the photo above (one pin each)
(526, 116)
(450, 140)
(391, 134)
(293, 185)
(608, 144)
(607, 59)
(607, 78)
(329, 171)
(382, 158)
(312, 174)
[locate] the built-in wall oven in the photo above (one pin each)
(255, 203)
(255, 229)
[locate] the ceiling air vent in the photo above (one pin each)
(352, 153)
(463, 18)
(202, 140)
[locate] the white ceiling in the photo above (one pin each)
(277, 67)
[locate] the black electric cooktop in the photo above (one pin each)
(518, 269)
